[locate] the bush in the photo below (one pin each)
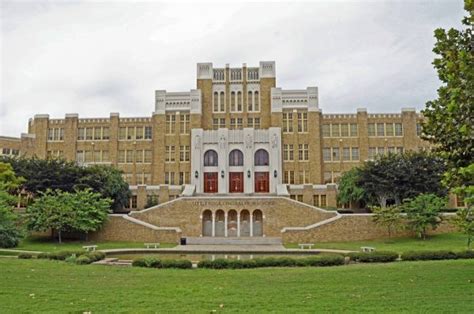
(96, 256)
(374, 257)
(465, 254)
(83, 260)
(43, 255)
(25, 255)
(147, 262)
(428, 255)
(325, 260)
(179, 263)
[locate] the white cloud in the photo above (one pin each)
(97, 58)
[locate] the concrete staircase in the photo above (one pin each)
(233, 241)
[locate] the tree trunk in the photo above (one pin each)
(59, 236)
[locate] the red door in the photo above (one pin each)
(210, 182)
(236, 182)
(262, 182)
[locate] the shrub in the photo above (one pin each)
(219, 263)
(25, 255)
(43, 255)
(179, 263)
(147, 262)
(83, 260)
(71, 259)
(325, 260)
(428, 255)
(62, 255)
(96, 256)
(374, 257)
(465, 254)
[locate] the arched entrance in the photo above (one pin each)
(207, 223)
(232, 223)
(245, 223)
(257, 223)
(220, 223)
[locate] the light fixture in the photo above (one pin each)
(196, 174)
(275, 173)
(222, 173)
(249, 174)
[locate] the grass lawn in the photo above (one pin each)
(48, 245)
(51, 286)
(446, 241)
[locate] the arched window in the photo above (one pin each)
(256, 102)
(261, 158)
(236, 158)
(239, 101)
(222, 102)
(216, 102)
(210, 158)
(232, 101)
(249, 102)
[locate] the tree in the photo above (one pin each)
(82, 211)
(10, 234)
(424, 211)
(464, 220)
(389, 217)
(349, 191)
(450, 118)
(395, 177)
(8, 178)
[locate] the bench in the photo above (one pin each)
(155, 245)
(90, 247)
(367, 249)
(306, 245)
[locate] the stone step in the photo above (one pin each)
(233, 241)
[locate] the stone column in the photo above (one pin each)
(238, 224)
(225, 224)
(213, 224)
(251, 224)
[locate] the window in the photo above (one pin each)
(222, 102)
(139, 133)
(355, 153)
(389, 129)
(380, 129)
(133, 201)
(344, 130)
(122, 133)
(79, 156)
(326, 130)
(327, 177)
(371, 129)
(398, 129)
(139, 156)
(121, 156)
(256, 101)
(289, 177)
(169, 153)
(81, 134)
(304, 177)
(302, 122)
(170, 123)
(327, 154)
(261, 158)
(400, 150)
(183, 178)
(232, 101)
(335, 130)
(346, 153)
(55, 134)
(236, 123)
(303, 153)
(322, 201)
(418, 129)
(169, 177)
(105, 133)
(128, 156)
(105, 156)
(184, 153)
(319, 200)
(253, 123)
(148, 133)
(218, 123)
(184, 124)
(354, 130)
(210, 159)
(236, 158)
(335, 154)
(216, 102)
(97, 133)
(148, 155)
(288, 152)
(380, 150)
(239, 101)
(287, 122)
(249, 101)
(372, 152)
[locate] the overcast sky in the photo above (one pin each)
(95, 58)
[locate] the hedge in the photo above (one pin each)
(151, 262)
(428, 255)
(373, 257)
(83, 260)
(25, 255)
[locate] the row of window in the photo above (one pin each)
(184, 153)
(84, 156)
(184, 123)
(385, 129)
(141, 178)
(340, 130)
(135, 133)
(236, 101)
(236, 158)
(93, 133)
(235, 123)
(373, 151)
(302, 117)
(54, 154)
(177, 178)
(303, 177)
(10, 151)
(137, 156)
(288, 152)
(55, 134)
(348, 154)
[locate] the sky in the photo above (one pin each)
(94, 58)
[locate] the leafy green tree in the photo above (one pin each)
(10, 233)
(389, 217)
(423, 212)
(400, 176)
(348, 190)
(8, 178)
(464, 220)
(108, 182)
(450, 118)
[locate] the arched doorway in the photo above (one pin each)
(257, 218)
(207, 223)
(245, 223)
(232, 223)
(220, 223)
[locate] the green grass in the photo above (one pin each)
(445, 241)
(48, 245)
(51, 286)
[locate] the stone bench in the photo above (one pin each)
(90, 247)
(155, 245)
(306, 245)
(367, 249)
